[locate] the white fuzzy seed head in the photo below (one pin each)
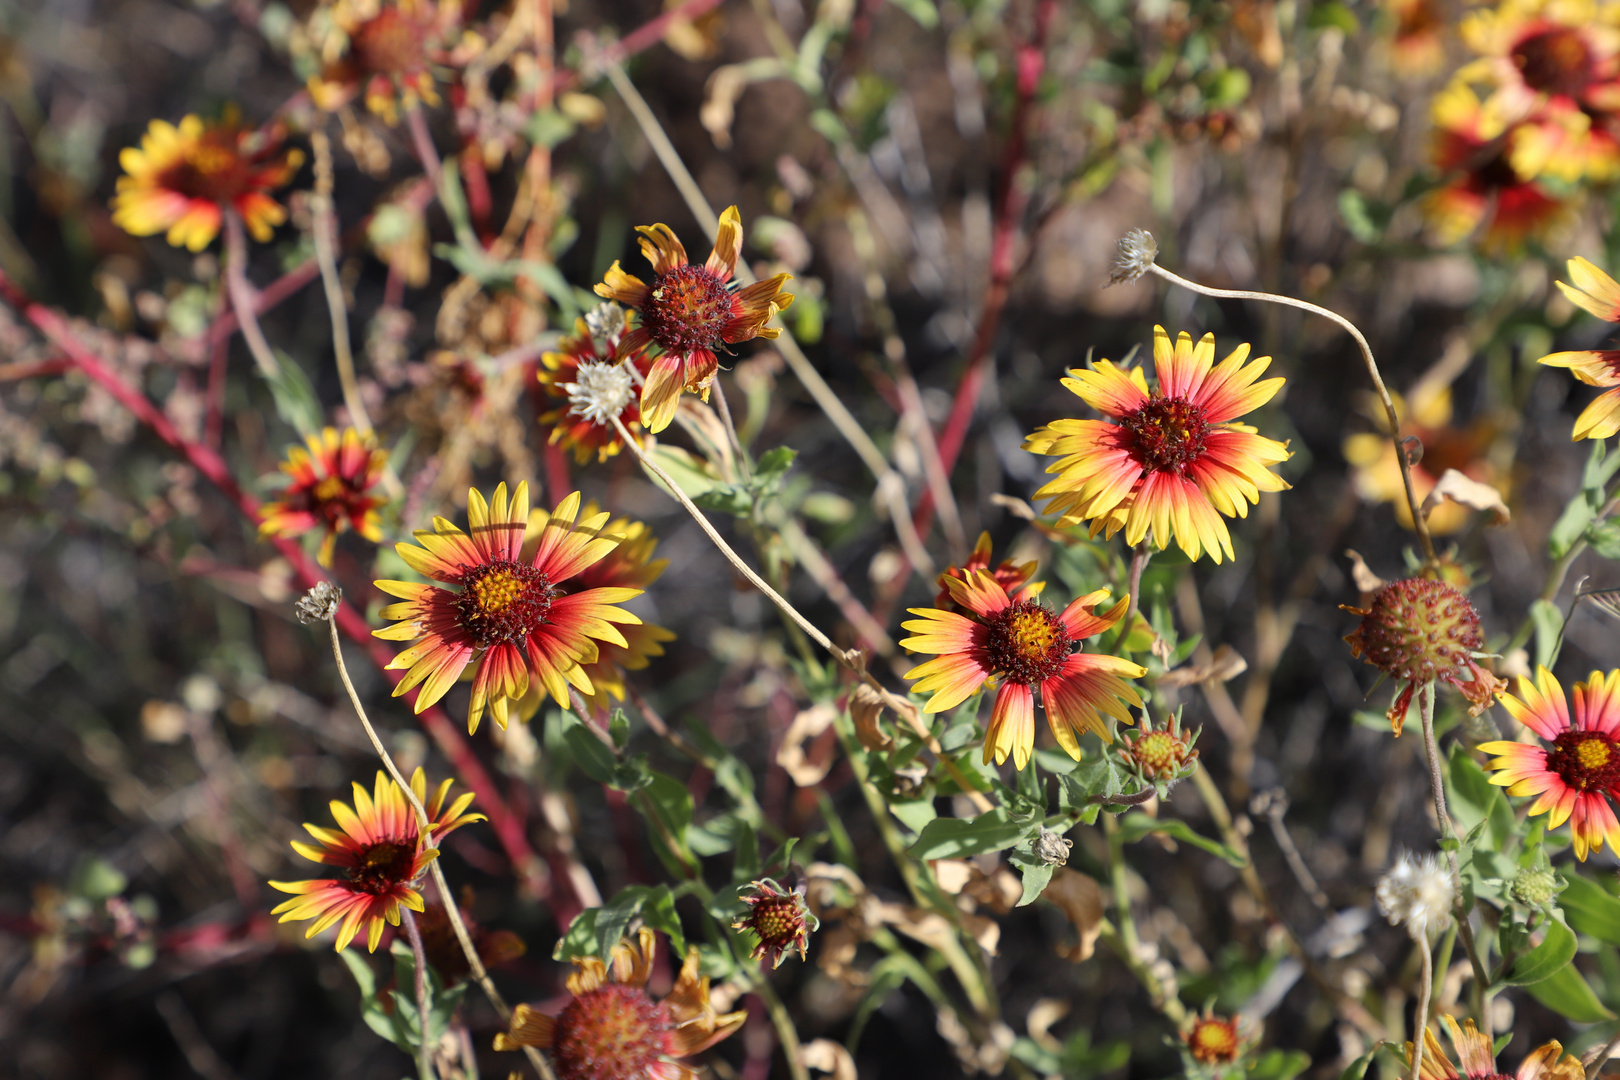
(600, 392)
(319, 604)
(606, 321)
(1136, 252)
(1418, 893)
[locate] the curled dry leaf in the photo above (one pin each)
(1366, 581)
(866, 709)
(826, 1056)
(1459, 488)
(1225, 663)
(1042, 1015)
(1082, 901)
(792, 756)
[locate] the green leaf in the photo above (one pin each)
(1554, 953)
(548, 127)
(654, 905)
(1590, 909)
(774, 462)
(295, 398)
(1604, 536)
(1474, 799)
(1279, 1065)
(733, 499)
(1570, 525)
(1354, 213)
(97, 879)
(592, 756)
(1136, 824)
(1036, 873)
(1600, 469)
(923, 11)
(1566, 993)
(1549, 624)
(955, 838)
(1333, 14)
(667, 805)
(1357, 1069)
(914, 814)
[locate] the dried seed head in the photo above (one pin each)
(1053, 849)
(319, 604)
(606, 321)
(1136, 252)
(1417, 893)
(600, 392)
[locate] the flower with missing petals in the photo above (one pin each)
(181, 180)
(689, 311)
(330, 486)
(1213, 1040)
(1418, 893)
(319, 604)
(1172, 460)
(1579, 773)
(780, 920)
(1421, 631)
(1596, 292)
(379, 847)
(1135, 253)
(1021, 645)
(613, 1030)
(512, 616)
(385, 49)
(595, 380)
(1478, 1062)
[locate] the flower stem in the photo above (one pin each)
(241, 293)
(1465, 931)
(1418, 520)
(424, 1052)
(1427, 990)
(1140, 555)
(451, 909)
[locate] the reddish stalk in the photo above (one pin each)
(642, 37)
(508, 828)
(226, 325)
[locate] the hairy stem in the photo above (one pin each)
(1372, 370)
(242, 298)
(424, 1051)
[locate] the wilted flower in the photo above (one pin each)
(613, 1031)
(1022, 645)
(779, 918)
(1575, 777)
(1474, 1054)
(595, 383)
(181, 180)
(689, 311)
(1418, 893)
(319, 604)
(1052, 848)
(379, 846)
(1421, 631)
(1171, 460)
(1135, 253)
(386, 49)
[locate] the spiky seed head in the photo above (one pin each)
(600, 392)
(779, 918)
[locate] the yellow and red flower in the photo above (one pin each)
(1009, 575)
(1577, 776)
(1022, 645)
(1595, 292)
(1473, 147)
(513, 617)
(689, 311)
(330, 487)
(386, 49)
(584, 375)
(1213, 1040)
(181, 180)
(1172, 460)
(379, 846)
(629, 566)
(1478, 1062)
(613, 1028)
(1417, 41)
(779, 919)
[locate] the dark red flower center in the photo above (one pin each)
(776, 919)
(211, 169)
(1213, 1041)
(1027, 642)
(503, 601)
(1554, 61)
(1166, 434)
(391, 43)
(687, 308)
(383, 867)
(612, 1033)
(1586, 760)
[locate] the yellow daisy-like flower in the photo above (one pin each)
(330, 488)
(1477, 1059)
(511, 614)
(1171, 460)
(379, 846)
(1596, 292)
(181, 180)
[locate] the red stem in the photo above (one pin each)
(269, 296)
(508, 828)
(644, 36)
